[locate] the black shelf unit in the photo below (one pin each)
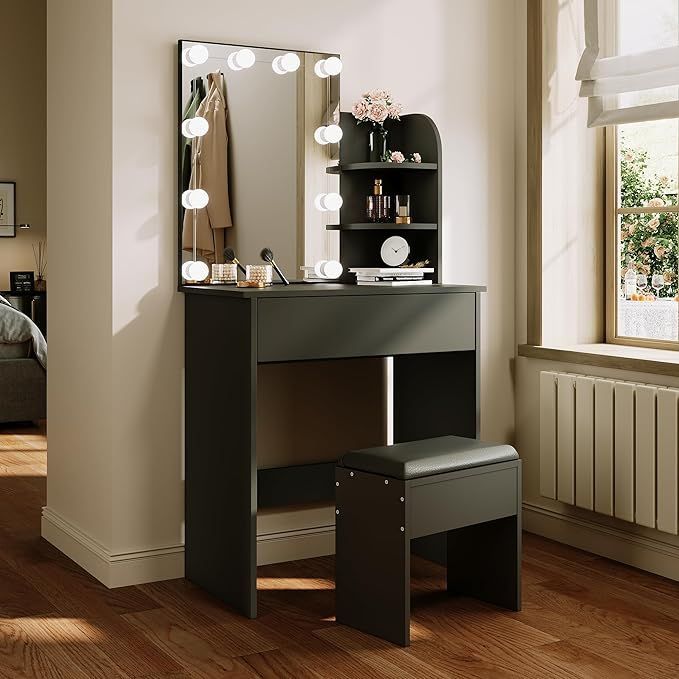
(360, 242)
(352, 167)
(387, 226)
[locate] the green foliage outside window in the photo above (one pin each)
(648, 242)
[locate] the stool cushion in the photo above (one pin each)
(427, 457)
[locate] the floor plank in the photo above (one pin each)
(583, 616)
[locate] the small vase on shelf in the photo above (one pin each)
(377, 144)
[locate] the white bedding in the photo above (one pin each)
(17, 328)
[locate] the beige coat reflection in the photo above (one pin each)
(209, 172)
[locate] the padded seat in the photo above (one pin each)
(461, 495)
(415, 459)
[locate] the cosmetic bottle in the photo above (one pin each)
(377, 205)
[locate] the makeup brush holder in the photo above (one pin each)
(259, 274)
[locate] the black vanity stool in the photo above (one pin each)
(391, 495)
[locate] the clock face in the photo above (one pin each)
(395, 251)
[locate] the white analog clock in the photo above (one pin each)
(395, 251)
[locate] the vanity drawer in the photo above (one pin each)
(307, 328)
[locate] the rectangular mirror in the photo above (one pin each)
(258, 161)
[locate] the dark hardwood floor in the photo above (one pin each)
(583, 616)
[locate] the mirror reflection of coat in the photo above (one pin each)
(210, 172)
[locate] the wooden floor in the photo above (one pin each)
(583, 616)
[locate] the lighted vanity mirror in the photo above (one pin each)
(257, 130)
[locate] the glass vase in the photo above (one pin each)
(377, 144)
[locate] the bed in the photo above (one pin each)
(23, 367)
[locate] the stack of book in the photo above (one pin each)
(391, 276)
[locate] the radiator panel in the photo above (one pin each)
(611, 447)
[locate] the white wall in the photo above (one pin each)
(453, 60)
(22, 128)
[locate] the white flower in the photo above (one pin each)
(397, 157)
(417, 158)
(656, 202)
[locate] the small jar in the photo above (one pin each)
(261, 274)
(224, 274)
(402, 209)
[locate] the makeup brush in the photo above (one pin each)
(230, 256)
(267, 255)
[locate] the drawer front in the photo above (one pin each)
(440, 506)
(306, 328)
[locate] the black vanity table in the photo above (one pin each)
(432, 332)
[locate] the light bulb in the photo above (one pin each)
(241, 59)
(195, 127)
(328, 202)
(328, 67)
(198, 271)
(186, 266)
(285, 63)
(328, 268)
(330, 134)
(194, 55)
(194, 199)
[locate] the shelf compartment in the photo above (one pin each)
(352, 167)
(381, 226)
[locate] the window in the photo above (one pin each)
(643, 210)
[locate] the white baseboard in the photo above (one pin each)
(279, 540)
(639, 551)
(113, 570)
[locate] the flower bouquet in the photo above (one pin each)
(374, 108)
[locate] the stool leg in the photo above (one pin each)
(484, 562)
(372, 562)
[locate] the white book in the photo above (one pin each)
(381, 271)
(393, 283)
(388, 278)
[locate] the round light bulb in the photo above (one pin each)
(328, 202)
(290, 62)
(194, 55)
(198, 271)
(186, 266)
(328, 67)
(195, 127)
(285, 63)
(241, 59)
(194, 199)
(328, 268)
(330, 134)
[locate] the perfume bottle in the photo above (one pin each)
(377, 205)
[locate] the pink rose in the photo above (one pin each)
(397, 157)
(659, 251)
(360, 110)
(654, 223)
(395, 111)
(656, 202)
(379, 95)
(417, 158)
(377, 112)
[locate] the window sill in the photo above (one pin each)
(616, 356)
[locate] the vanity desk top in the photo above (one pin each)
(325, 290)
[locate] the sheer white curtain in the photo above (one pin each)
(630, 86)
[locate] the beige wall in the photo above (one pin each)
(22, 128)
(451, 59)
(79, 205)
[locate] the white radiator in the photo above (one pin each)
(611, 447)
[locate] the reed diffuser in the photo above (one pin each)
(40, 256)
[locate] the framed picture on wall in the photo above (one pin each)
(7, 209)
